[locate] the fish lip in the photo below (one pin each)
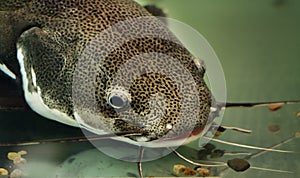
(186, 138)
(144, 137)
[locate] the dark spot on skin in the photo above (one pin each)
(71, 160)
(239, 165)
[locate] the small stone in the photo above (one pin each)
(275, 107)
(238, 165)
(3, 172)
(178, 168)
(298, 114)
(17, 173)
(13, 155)
(189, 171)
(22, 152)
(19, 160)
(203, 172)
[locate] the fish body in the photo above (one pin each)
(65, 55)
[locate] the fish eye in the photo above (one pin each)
(118, 101)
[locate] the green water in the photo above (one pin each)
(258, 45)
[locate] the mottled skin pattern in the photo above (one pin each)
(53, 35)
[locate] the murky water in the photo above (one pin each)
(258, 45)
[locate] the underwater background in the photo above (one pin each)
(258, 45)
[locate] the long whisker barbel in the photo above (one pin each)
(258, 153)
(255, 104)
(139, 163)
(73, 139)
(22, 106)
(223, 164)
(18, 104)
(249, 146)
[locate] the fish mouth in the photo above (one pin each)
(184, 138)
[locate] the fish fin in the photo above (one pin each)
(5, 70)
(46, 79)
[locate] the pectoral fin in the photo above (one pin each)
(45, 75)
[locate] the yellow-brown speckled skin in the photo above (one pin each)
(53, 34)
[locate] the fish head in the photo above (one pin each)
(131, 78)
